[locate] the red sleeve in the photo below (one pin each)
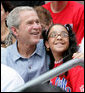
(47, 6)
(79, 24)
(77, 79)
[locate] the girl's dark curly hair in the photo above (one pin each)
(72, 44)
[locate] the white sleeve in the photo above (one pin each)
(10, 79)
(81, 49)
(15, 83)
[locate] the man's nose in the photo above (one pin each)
(36, 25)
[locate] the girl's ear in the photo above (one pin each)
(47, 45)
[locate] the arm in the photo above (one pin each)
(78, 55)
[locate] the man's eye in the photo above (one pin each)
(37, 21)
(30, 22)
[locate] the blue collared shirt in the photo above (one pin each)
(28, 68)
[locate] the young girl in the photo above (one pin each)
(61, 46)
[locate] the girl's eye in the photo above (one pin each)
(64, 34)
(52, 35)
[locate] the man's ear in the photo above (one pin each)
(15, 31)
(47, 45)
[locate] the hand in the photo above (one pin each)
(78, 55)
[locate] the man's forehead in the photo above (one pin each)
(27, 11)
(28, 14)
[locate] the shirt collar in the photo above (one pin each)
(38, 51)
(15, 53)
(39, 48)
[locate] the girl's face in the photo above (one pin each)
(58, 39)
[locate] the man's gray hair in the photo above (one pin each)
(13, 18)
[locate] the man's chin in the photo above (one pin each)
(36, 41)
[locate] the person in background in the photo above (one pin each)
(44, 16)
(6, 36)
(10, 79)
(27, 55)
(27, 3)
(61, 46)
(68, 12)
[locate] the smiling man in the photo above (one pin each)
(27, 55)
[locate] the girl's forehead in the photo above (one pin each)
(58, 28)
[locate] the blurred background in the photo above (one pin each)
(82, 2)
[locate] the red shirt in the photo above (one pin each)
(72, 14)
(73, 82)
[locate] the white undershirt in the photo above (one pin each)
(56, 62)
